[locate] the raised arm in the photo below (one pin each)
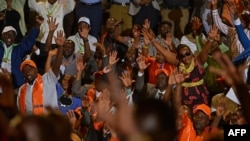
(84, 32)
(60, 39)
(203, 55)
(169, 56)
(52, 27)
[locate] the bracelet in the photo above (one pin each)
(146, 46)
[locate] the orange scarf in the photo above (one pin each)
(37, 97)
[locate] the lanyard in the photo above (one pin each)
(7, 52)
(81, 46)
(52, 10)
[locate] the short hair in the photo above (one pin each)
(167, 23)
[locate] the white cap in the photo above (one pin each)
(84, 19)
(8, 28)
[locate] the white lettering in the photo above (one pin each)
(243, 131)
(231, 132)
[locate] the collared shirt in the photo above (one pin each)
(90, 1)
(6, 60)
(157, 96)
(49, 92)
(57, 10)
(79, 45)
(69, 65)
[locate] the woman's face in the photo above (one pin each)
(136, 31)
(185, 55)
(65, 81)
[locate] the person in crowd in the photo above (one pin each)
(12, 54)
(19, 6)
(94, 11)
(163, 37)
(145, 9)
(119, 10)
(11, 17)
(44, 86)
(191, 66)
(178, 13)
(109, 41)
(195, 39)
(47, 9)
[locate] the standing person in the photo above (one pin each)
(119, 10)
(12, 54)
(39, 91)
(145, 9)
(177, 12)
(93, 10)
(49, 8)
(11, 17)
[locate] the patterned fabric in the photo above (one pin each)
(192, 96)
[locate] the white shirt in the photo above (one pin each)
(57, 10)
(79, 44)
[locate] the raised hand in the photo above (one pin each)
(53, 52)
(101, 47)
(83, 32)
(2, 16)
(176, 77)
(213, 33)
(60, 39)
(146, 24)
(233, 8)
(196, 23)
(142, 63)
(228, 71)
(72, 118)
(80, 65)
(148, 35)
(103, 105)
(52, 23)
(113, 58)
(168, 39)
(126, 79)
(39, 19)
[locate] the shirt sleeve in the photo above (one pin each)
(218, 22)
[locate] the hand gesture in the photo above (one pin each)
(233, 8)
(100, 46)
(53, 52)
(113, 58)
(168, 39)
(212, 34)
(146, 24)
(103, 105)
(80, 65)
(72, 118)
(228, 71)
(142, 63)
(196, 23)
(126, 79)
(39, 19)
(52, 23)
(220, 109)
(60, 39)
(176, 77)
(83, 32)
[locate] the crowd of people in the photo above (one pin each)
(123, 70)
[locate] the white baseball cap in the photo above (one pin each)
(84, 19)
(9, 28)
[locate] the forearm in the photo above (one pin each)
(58, 61)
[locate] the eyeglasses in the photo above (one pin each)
(184, 55)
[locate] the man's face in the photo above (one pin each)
(9, 37)
(200, 120)
(164, 30)
(110, 25)
(30, 73)
(68, 48)
(161, 81)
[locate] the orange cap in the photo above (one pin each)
(204, 108)
(158, 71)
(27, 62)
